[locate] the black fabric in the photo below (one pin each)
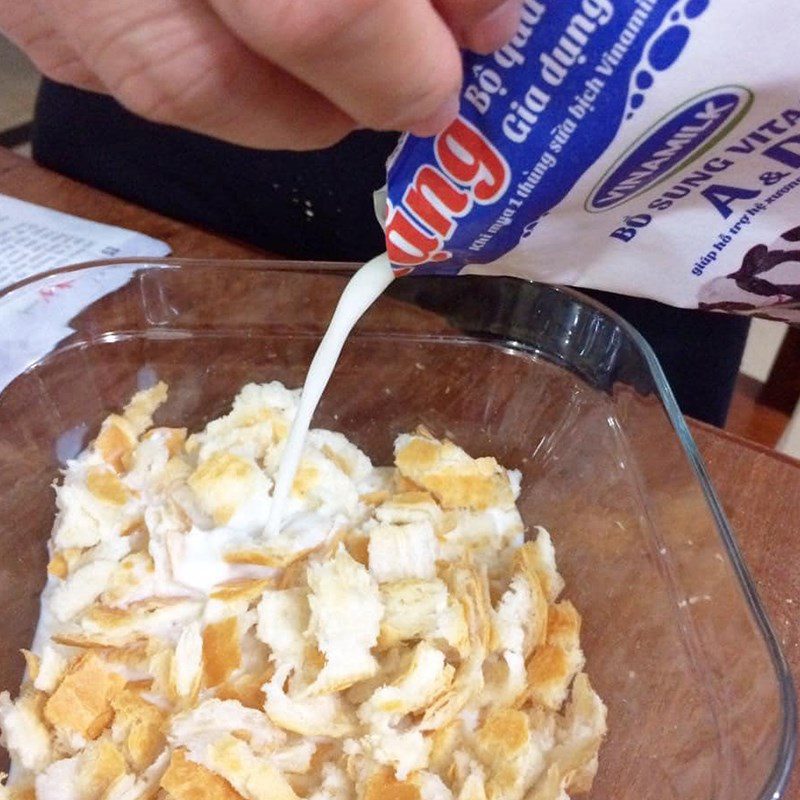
(319, 206)
(303, 205)
(700, 351)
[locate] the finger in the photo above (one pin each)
(172, 61)
(30, 30)
(390, 64)
(482, 25)
(496, 29)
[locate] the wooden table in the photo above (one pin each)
(759, 489)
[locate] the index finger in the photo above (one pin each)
(389, 64)
(482, 25)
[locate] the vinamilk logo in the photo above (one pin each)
(673, 143)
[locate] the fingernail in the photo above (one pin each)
(439, 120)
(496, 29)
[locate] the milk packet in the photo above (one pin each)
(645, 147)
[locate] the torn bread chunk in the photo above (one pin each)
(409, 507)
(321, 486)
(454, 478)
(143, 405)
(222, 651)
(259, 420)
(163, 617)
(201, 725)
(383, 783)
(25, 734)
(186, 667)
(89, 774)
(345, 621)
(81, 703)
(51, 669)
(93, 504)
(579, 735)
(552, 666)
(81, 589)
(283, 617)
(422, 609)
(252, 777)
(335, 446)
(134, 578)
(157, 464)
(426, 677)
(491, 536)
(521, 617)
(403, 637)
(187, 780)
(141, 787)
(242, 746)
(513, 746)
(335, 785)
(138, 728)
(404, 752)
(328, 476)
(116, 442)
(539, 557)
(402, 551)
(226, 484)
(321, 715)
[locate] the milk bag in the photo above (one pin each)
(645, 147)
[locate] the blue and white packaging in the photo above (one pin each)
(645, 147)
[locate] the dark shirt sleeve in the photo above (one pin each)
(315, 205)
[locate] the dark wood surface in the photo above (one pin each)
(759, 489)
(751, 417)
(760, 492)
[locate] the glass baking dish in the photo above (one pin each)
(701, 703)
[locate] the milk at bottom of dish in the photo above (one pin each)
(363, 289)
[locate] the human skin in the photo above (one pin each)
(271, 74)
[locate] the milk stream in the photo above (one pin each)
(363, 289)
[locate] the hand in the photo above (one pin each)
(275, 74)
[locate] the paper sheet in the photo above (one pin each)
(34, 239)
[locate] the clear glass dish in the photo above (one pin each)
(701, 703)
